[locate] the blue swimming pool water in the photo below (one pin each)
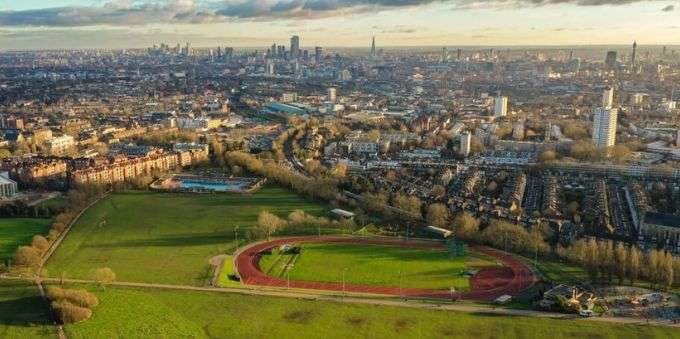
(218, 187)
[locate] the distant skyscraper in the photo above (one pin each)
(445, 55)
(332, 94)
(608, 97)
(295, 46)
(318, 51)
(459, 54)
(632, 58)
(270, 68)
(465, 144)
(373, 54)
(272, 51)
(604, 127)
(500, 106)
(610, 60)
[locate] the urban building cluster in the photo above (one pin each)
(585, 139)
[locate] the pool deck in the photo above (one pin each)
(173, 183)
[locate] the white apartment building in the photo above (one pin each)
(604, 127)
(500, 106)
(332, 94)
(59, 145)
(608, 97)
(465, 144)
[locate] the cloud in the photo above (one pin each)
(144, 12)
(114, 37)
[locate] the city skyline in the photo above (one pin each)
(67, 24)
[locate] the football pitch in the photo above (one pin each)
(375, 265)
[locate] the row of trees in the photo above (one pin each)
(585, 150)
(605, 260)
(19, 209)
(297, 222)
(322, 188)
(503, 235)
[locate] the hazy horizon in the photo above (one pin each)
(128, 24)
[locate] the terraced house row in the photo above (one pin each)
(100, 170)
(122, 168)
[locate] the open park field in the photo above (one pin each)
(23, 313)
(164, 237)
(134, 313)
(374, 265)
(15, 232)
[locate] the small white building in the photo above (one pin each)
(340, 213)
(8, 187)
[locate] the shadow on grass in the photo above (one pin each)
(24, 311)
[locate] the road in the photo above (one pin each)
(357, 298)
(295, 164)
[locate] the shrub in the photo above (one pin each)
(58, 226)
(27, 256)
(79, 298)
(69, 313)
(55, 293)
(40, 243)
(52, 235)
(104, 275)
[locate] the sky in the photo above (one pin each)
(57, 24)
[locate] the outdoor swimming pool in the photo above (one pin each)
(213, 186)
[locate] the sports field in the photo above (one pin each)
(165, 237)
(374, 265)
(15, 232)
(133, 313)
(23, 313)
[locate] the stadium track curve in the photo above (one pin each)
(488, 284)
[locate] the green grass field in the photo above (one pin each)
(375, 265)
(15, 232)
(165, 237)
(23, 313)
(227, 270)
(561, 272)
(133, 313)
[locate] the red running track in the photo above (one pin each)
(488, 284)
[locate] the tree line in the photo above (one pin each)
(322, 188)
(297, 222)
(19, 209)
(603, 260)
